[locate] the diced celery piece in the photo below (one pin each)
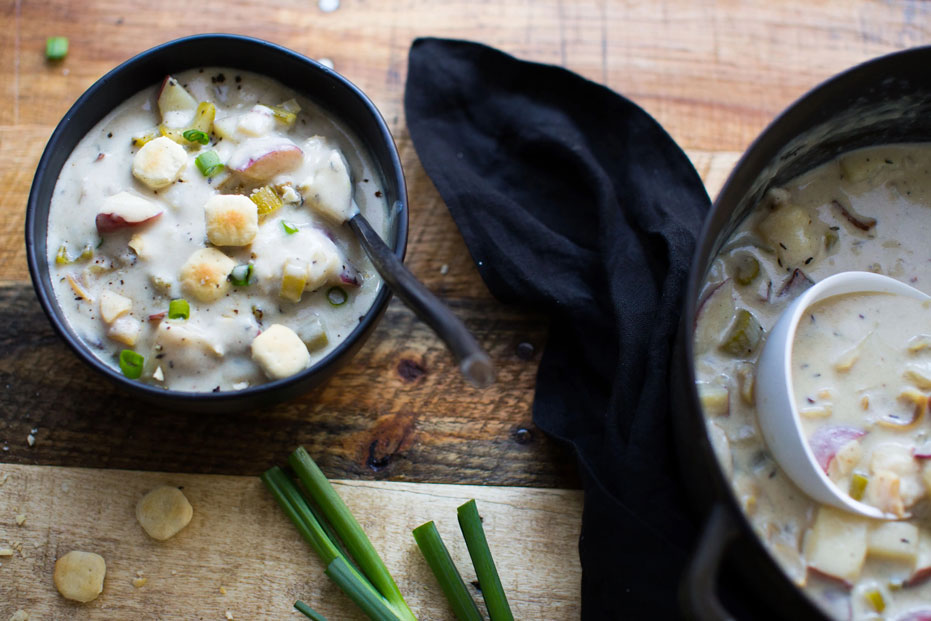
(149, 136)
(876, 600)
(858, 485)
(293, 281)
(313, 333)
(266, 199)
(204, 116)
(747, 268)
(744, 334)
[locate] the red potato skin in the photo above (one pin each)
(917, 578)
(350, 276)
(109, 222)
(162, 87)
(827, 441)
(916, 615)
(269, 164)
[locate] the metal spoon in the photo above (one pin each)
(775, 397)
(474, 363)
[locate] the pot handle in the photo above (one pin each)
(698, 593)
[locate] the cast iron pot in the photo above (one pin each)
(322, 85)
(886, 100)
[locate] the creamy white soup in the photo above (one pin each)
(860, 375)
(195, 235)
(861, 372)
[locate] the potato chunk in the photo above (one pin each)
(79, 575)
(113, 305)
(795, 233)
(714, 398)
(163, 512)
(836, 544)
(204, 274)
(280, 352)
(232, 220)
(159, 162)
(894, 540)
(125, 330)
(328, 190)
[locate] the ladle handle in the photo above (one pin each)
(474, 363)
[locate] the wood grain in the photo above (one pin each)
(398, 410)
(240, 540)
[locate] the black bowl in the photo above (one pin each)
(883, 101)
(320, 84)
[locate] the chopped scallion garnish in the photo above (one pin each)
(179, 309)
(336, 296)
(131, 363)
(241, 275)
(208, 163)
(195, 135)
(56, 48)
(289, 228)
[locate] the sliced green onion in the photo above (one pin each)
(336, 296)
(360, 592)
(308, 612)
(289, 498)
(473, 532)
(296, 508)
(241, 276)
(289, 228)
(56, 48)
(208, 163)
(131, 363)
(195, 135)
(349, 530)
(179, 309)
(441, 563)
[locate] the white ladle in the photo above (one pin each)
(775, 397)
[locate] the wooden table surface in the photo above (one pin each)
(398, 417)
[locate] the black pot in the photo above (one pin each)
(322, 85)
(887, 100)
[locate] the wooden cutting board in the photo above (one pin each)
(240, 557)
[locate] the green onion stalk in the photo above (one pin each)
(495, 600)
(308, 612)
(348, 529)
(441, 563)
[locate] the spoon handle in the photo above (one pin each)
(474, 363)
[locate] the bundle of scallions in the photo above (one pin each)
(326, 523)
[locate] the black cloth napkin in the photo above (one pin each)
(574, 201)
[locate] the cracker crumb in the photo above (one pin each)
(31, 440)
(20, 615)
(139, 581)
(174, 571)
(3, 478)
(444, 269)
(223, 590)
(20, 519)
(6, 551)
(229, 615)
